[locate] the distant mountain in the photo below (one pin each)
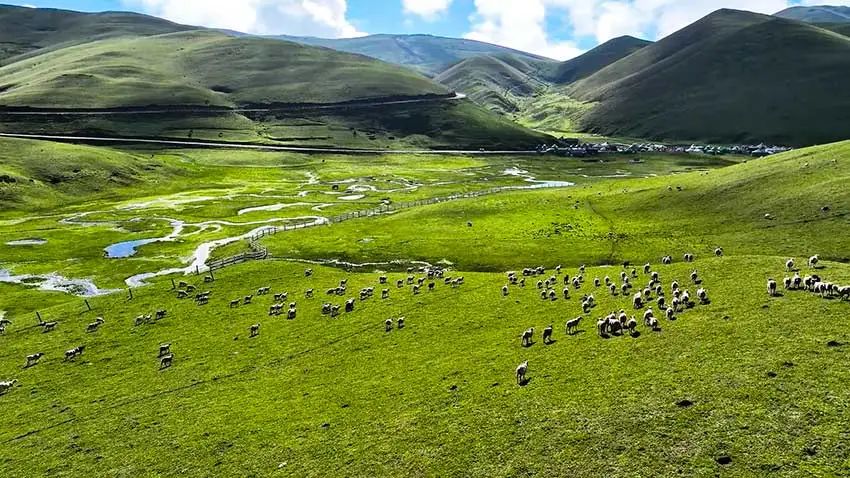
(495, 81)
(426, 53)
(594, 60)
(817, 14)
(27, 30)
(733, 77)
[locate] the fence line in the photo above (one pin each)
(259, 252)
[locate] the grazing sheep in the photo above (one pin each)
(702, 294)
(572, 325)
(281, 297)
(540, 284)
(667, 260)
(547, 335)
(596, 282)
(689, 257)
(247, 300)
(631, 325)
(335, 311)
(686, 299)
(694, 277)
(771, 287)
(385, 294)
(308, 294)
(235, 303)
(789, 265)
(797, 281)
(49, 326)
(652, 323)
(601, 327)
(670, 313)
(182, 294)
(591, 300)
(92, 327)
(33, 359)
(634, 273)
(166, 361)
(400, 322)
(661, 302)
(255, 330)
(263, 290)
(718, 252)
(399, 283)
(349, 305)
(160, 314)
(388, 325)
(182, 285)
(521, 370)
(649, 313)
(637, 300)
(613, 288)
(416, 289)
(844, 292)
(675, 303)
(527, 337)
(787, 283)
(308, 272)
(505, 291)
(382, 280)
(566, 292)
(411, 280)
(74, 352)
(292, 313)
(431, 286)
(191, 289)
(813, 261)
(164, 349)
(553, 296)
(7, 385)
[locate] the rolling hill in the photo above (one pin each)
(731, 77)
(494, 81)
(426, 53)
(594, 60)
(27, 30)
(201, 68)
(817, 14)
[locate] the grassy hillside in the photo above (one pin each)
(426, 53)
(747, 385)
(492, 81)
(28, 30)
(842, 28)
(201, 68)
(594, 60)
(729, 77)
(817, 14)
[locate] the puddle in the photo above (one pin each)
(57, 283)
(27, 242)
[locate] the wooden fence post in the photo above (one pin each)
(88, 306)
(38, 316)
(130, 291)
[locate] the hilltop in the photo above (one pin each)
(425, 53)
(731, 77)
(817, 14)
(29, 30)
(594, 60)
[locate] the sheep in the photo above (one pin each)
(308, 272)
(613, 288)
(576, 283)
(596, 282)
(292, 313)
(235, 303)
(540, 284)
(74, 352)
(789, 265)
(385, 294)
(591, 300)
(844, 292)
(247, 300)
(623, 276)
(335, 311)
(586, 306)
(421, 281)
(191, 289)
(771, 287)
(797, 281)
(349, 305)
(689, 257)
(388, 325)
(646, 268)
(527, 337)
(255, 330)
(521, 370)
(659, 291)
(416, 290)
(686, 299)
(566, 279)
(547, 335)
(652, 323)
(166, 361)
(431, 286)
(92, 327)
(264, 290)
(670, 313)
(411, 280)
(631, 325)
(308, 294)
(33, 359)
(326, 309)
(275, 309)
(382, 280)
(647, 294)
(48, 326)
(637, 300)
(505, 291)
(655, 277)
(400, 322)
(787, 283)
(661, 302)
(399, 283)
(572, 325)
(5, 386)
(675, 303)
(522, 282)
(601, 327)
(281, 297)
(647, 314)
(813, 261)
(634, 273)
(160, 314)
(666, 260)
(718, 252)
(182, 285)
(182, 294)
(553, 296)
(694, 277)
(702, 294)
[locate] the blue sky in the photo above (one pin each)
(559, 29)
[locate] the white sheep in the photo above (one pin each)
(5, 386)
(521, 370)
(789, 265)
(813, 261)
(255, 330)
(527, 337)
(771, 287)
(33, 359)
(166, 361)
(388, 325)
(547, 334)
(637, 300)
(505, 291)
(572, 325)
(718, 252)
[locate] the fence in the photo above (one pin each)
(259, 252)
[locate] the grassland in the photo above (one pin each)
(755, 379)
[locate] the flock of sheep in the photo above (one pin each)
(648, 298)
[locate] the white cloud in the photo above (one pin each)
(427, 9)
(519, 25)
(522, 24)
(324, 18)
